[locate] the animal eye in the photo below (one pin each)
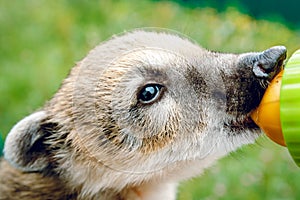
(150, 93)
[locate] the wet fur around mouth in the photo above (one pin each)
(239, 124)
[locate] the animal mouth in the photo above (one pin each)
(265, 69)
(240, 123)
(245, 121)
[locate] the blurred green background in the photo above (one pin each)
(41, 41)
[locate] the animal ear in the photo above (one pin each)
(267, 63)
(24, 147)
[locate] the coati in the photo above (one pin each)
(141, 112)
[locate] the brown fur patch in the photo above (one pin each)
(21, 185)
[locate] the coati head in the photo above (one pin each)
(144, 106)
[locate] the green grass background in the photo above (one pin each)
(41, 41)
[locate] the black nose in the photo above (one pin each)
(269, 63)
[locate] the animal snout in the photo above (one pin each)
(269, 63)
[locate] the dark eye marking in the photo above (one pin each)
(150, 93)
